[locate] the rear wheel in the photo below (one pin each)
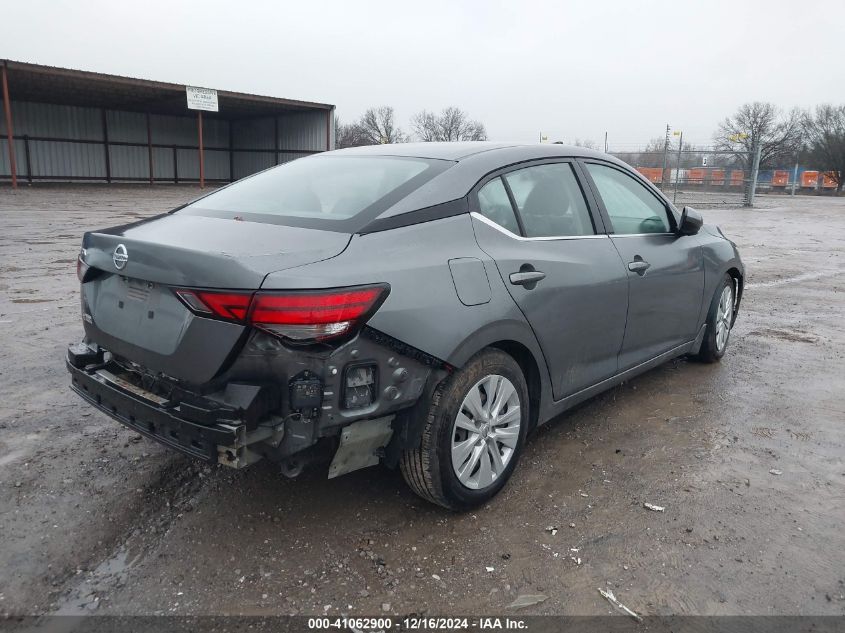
(719, 322)
(474, 433)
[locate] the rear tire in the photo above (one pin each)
(479, 412)
(719, 322)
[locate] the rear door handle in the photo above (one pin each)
(639, 266)
(527, 278)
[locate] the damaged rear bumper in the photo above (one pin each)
(358, 403)
(154, 417)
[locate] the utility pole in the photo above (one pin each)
(665, 152)
(678, 168)
(605, 142)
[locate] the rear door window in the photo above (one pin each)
(550, 201)
(632, 208)
(495, 205)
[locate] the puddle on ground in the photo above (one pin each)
(797, 336)
(84, 598)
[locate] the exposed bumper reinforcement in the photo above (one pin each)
(151, 420)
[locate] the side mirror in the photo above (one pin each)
(691, 222)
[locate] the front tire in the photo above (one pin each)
(474, 433)
(719, 322)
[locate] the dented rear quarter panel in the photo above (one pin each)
(423, 309)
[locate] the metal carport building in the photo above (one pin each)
(72, 125)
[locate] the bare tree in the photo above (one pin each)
(587, 143)
(378, 126)
(453, 124)
(426, 126)
(347, 134)
(650, 156)
(779, 135)
(825, 132)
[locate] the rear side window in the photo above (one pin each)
(494, 204)
(632, 208)
(550, 202)
(327, 192)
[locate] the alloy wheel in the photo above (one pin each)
(723, 318)
(486, 431)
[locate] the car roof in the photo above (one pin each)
(445, 194)
(457, 151)
(471, 162)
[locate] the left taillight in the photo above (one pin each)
(301, 316)
(232, 306)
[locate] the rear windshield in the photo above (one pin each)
(341, 193)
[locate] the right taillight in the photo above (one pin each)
(315, 315)
(301, 316)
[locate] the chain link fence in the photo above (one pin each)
(710, 177)
(699, 177)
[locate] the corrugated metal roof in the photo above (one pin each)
(50, 84)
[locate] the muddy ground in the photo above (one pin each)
(745, 455)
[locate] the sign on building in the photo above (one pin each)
(704, 161)
(201, 98)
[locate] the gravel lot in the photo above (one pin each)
(746, 456)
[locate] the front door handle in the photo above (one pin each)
(527, 278)
(639, 266)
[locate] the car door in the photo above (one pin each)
(665, 270)
(559, 266)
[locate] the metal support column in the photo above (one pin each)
(10, 137)
(106, 145)
(150, 148)
(275, 140)
(794, 179)
(27, 158)
(231, 152)
(202, 157)
(328, 129)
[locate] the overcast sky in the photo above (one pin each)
(568, 69)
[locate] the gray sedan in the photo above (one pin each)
(425, 306)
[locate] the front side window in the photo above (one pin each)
(494, 204)
(550, 201)
(632, 208)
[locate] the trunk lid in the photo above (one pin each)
(205, 252)
(130, 309)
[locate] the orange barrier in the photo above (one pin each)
(780, 178)
(654, 174)
(810, 179)
(828, 182)
(696, 176)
